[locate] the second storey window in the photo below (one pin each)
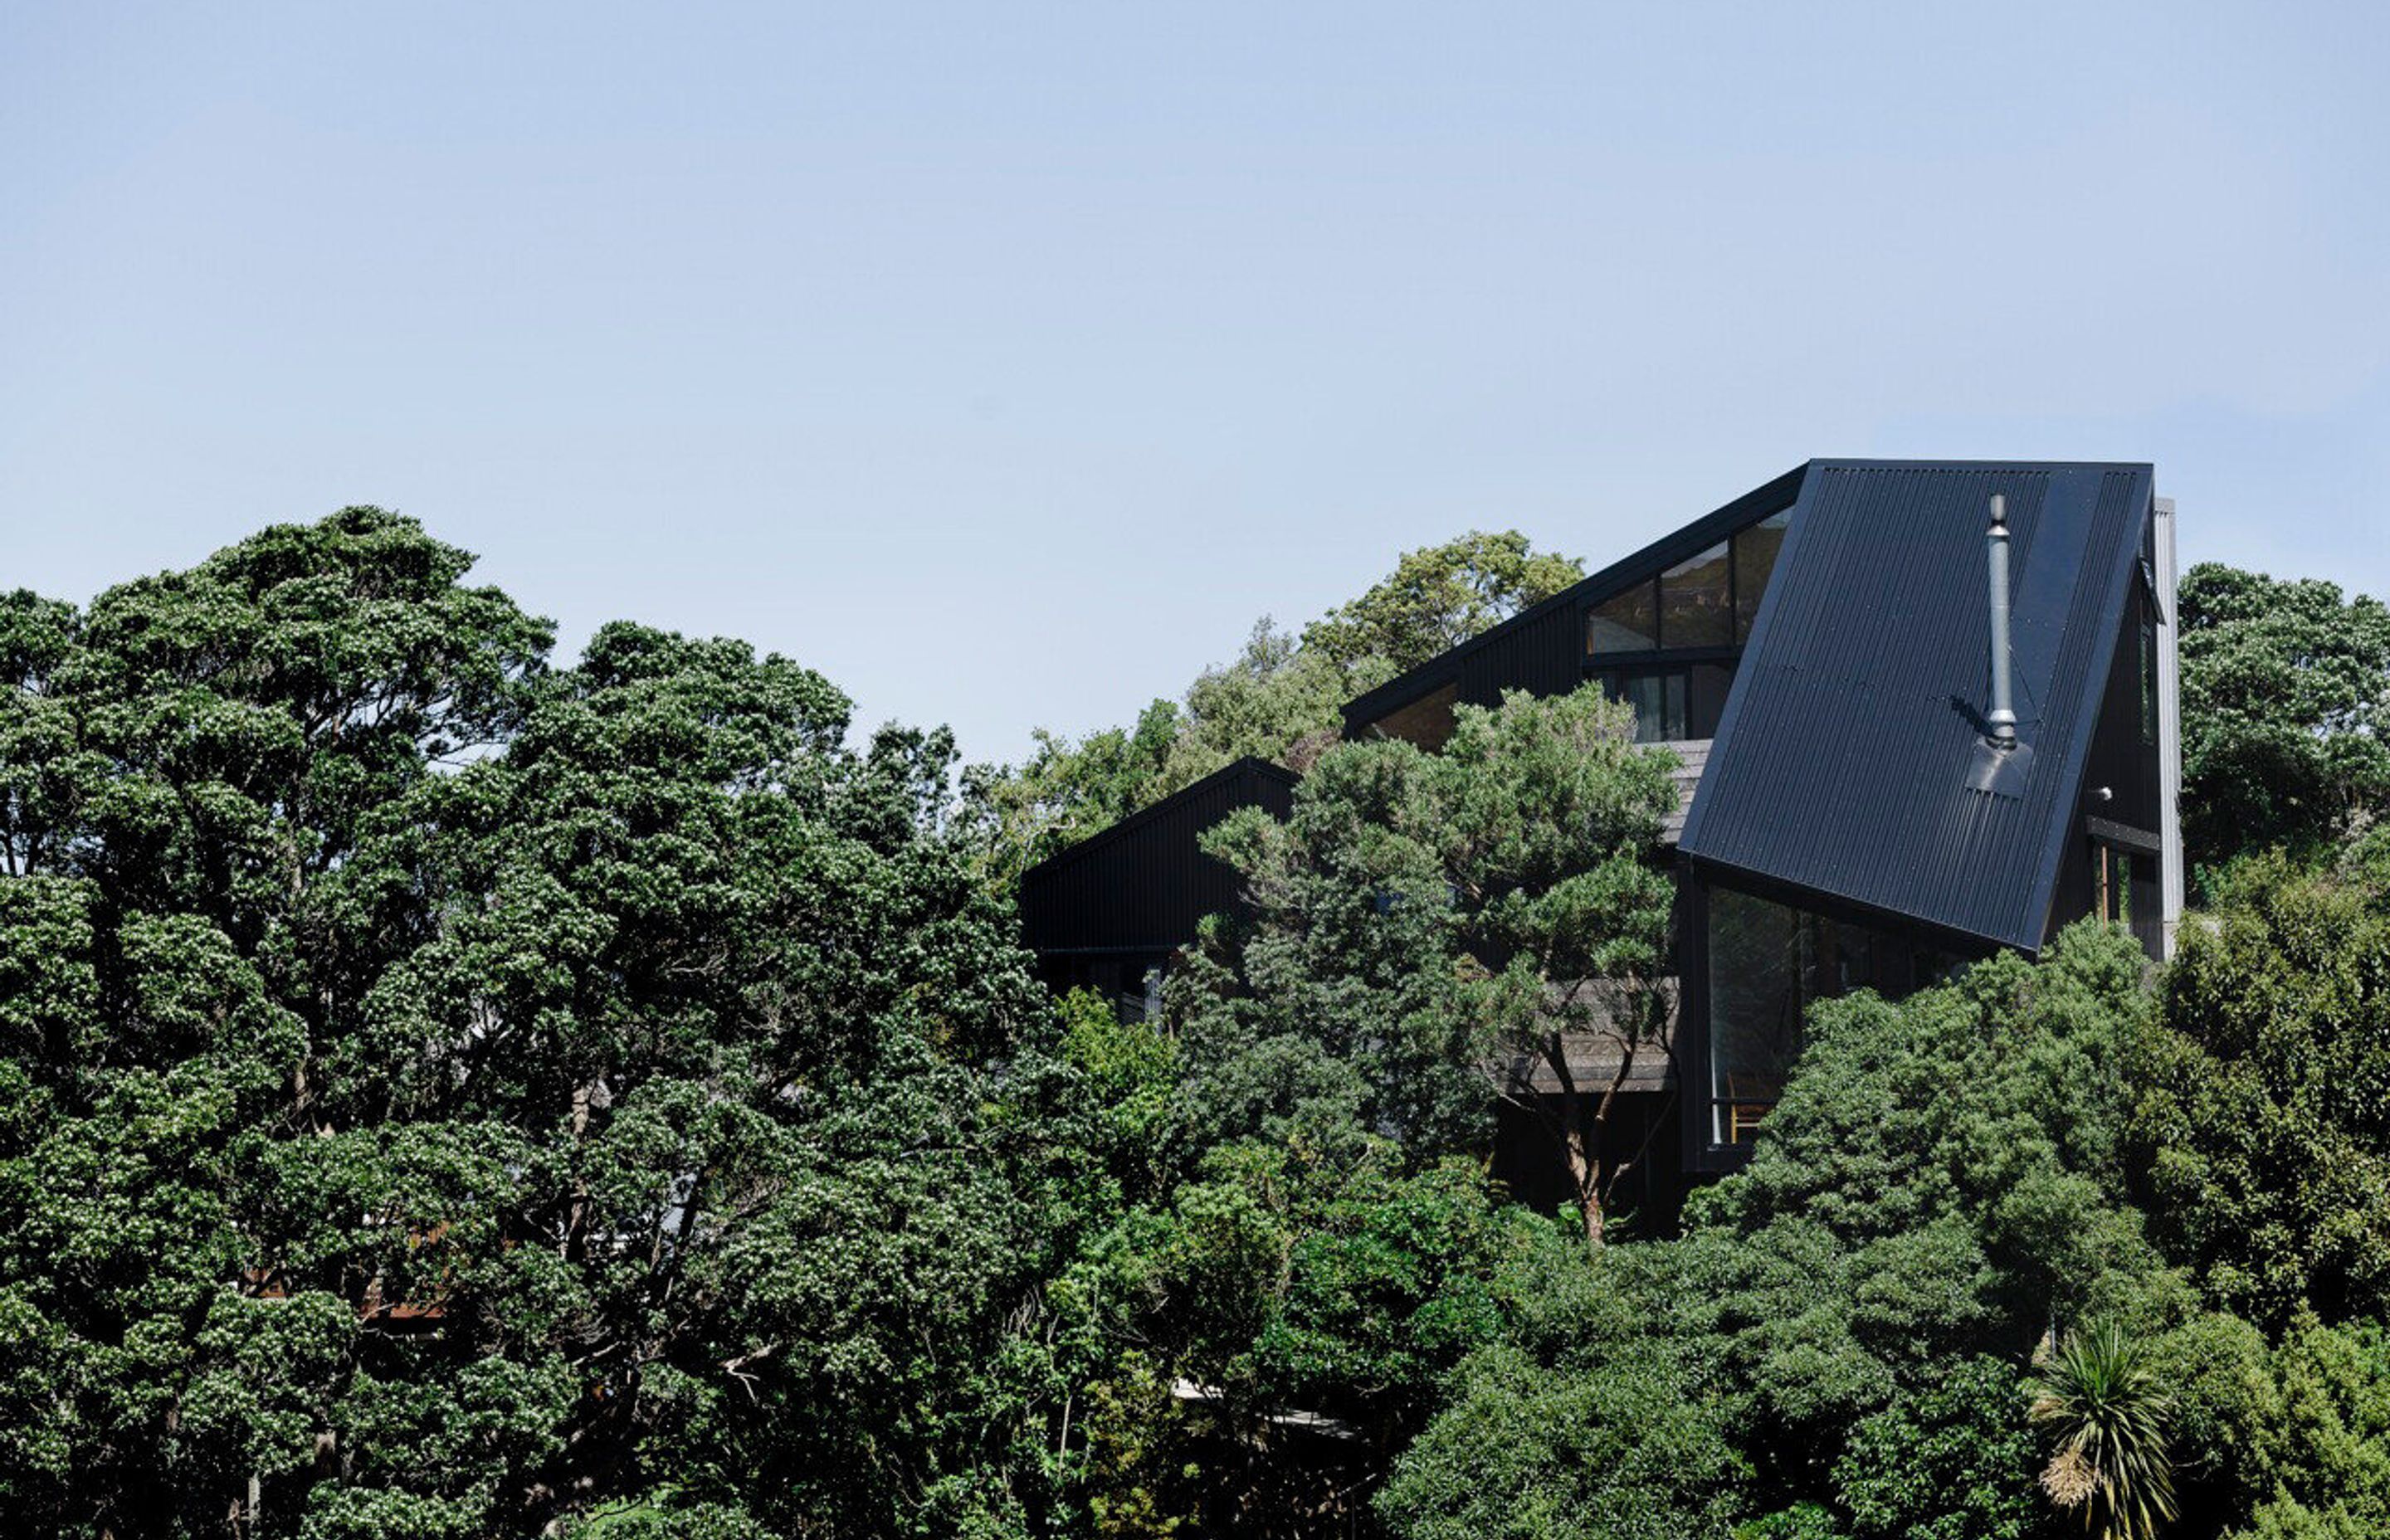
(1754, 563)
(1767, 963)
(1659, 702)
(1426, 721)
(1707, 601)
(1630, 622)
(1697, 601)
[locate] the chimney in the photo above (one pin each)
(2001, 763)
(2001, 719)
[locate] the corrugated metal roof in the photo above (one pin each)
(1843, 761)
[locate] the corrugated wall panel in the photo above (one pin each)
(1145, 883)
(1545, 656)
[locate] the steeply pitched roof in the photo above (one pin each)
(1843, 761)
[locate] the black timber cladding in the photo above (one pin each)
(1541, 649)
(1142, 885)
(1842, 764)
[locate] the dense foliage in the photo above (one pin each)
(2262, 1135)
(1855, 1311)
(445, 1093)
(442, 1090)
(1423, 916)
(2286, 713)
(2103, 1405)
(1278, 700)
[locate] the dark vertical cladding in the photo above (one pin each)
(2121, 777)
(1143, 885)
(1543, 654)
(2112, 870)
(1843, 764)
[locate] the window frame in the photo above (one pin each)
(1651, 587)
(2111, 881)
(1741, 617)
(1616, 683)
(1444, 696)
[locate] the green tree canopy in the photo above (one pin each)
(1939, 1183)
(2285, 712)
(1424, 921)
(1278, 700)
(1438, 596)
(1837, 1343)
(1310, 1244)
(2261, 1133)
(444, 1094)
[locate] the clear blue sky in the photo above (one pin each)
(1005, 362)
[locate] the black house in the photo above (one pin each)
(1859, 812)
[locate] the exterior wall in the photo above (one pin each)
(1131, 981)
(2122, 805)
(2171, 873)
(1644, 1130)
(1139, 889)
(1543, 656)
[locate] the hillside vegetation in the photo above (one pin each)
(444, 1092)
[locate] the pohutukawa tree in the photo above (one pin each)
(443, 1094)
(2285, 713)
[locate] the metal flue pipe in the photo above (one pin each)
(2001, 719)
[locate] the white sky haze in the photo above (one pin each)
(1005, 362)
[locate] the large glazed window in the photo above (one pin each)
(1629, 623)
(1755, 562)
(1697, 601)
(1707, 601)
(1768, 962)
(1426, 721)
(1758, 976)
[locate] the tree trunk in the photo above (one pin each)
(1585, 1170)
(1583, 1154)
